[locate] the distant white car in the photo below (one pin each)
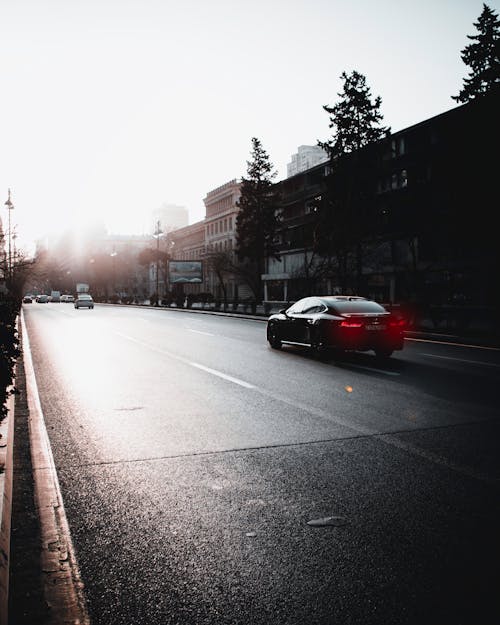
(84, 300)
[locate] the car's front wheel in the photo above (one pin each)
(272, 336)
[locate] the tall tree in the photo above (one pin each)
(355, 119)
(482, 57)
(258, 217)
(356, 123)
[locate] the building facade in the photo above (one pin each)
(170, 216)
(307, 156)
(424, 201)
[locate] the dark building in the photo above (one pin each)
(416, 211)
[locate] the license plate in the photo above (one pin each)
(375, 326)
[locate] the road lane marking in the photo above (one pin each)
(200, 332)
(451, 344)
(353, 366)
(221, 375)
(186, 361)
(471, 362)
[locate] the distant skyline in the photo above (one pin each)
(112, 108)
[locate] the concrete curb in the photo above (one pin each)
(61, 580)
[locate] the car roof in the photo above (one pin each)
(343, 298)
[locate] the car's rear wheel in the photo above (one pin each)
(383, 353)
(318, 346)
(272, 336)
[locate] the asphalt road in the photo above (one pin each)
(191, 459)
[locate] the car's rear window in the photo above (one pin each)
(84, 297)
(356, 307)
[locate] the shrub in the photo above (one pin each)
(9, 347)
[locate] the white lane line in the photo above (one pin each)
(222, 375)
(471, 362)
(200, 332)
(352, 366)
(448, 344)
(197, 365)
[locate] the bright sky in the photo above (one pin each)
(110, 108)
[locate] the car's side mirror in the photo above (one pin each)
(282, 311)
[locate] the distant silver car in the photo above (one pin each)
(84, 300)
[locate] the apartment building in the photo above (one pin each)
(426, 198)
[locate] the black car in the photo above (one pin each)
(337, 322)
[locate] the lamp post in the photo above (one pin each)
(157, 234)
(9, 206)
(113, 256)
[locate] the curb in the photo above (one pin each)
(61, 581)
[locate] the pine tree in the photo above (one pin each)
(258, 217)
(483, 57)
(355, 118)
(341, 224)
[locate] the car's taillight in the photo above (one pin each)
(397, 323)
(350, 324)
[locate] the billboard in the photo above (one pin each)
(185, 271)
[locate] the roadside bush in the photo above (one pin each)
(9, 347)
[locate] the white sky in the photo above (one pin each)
(109, 108)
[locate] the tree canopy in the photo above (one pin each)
(482, 56)
(355, 118)
(258, 217)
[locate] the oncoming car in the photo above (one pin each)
(84, 300)
(336, 322)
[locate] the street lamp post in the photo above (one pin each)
(157, 234)
(9, 206)
(113, 256)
